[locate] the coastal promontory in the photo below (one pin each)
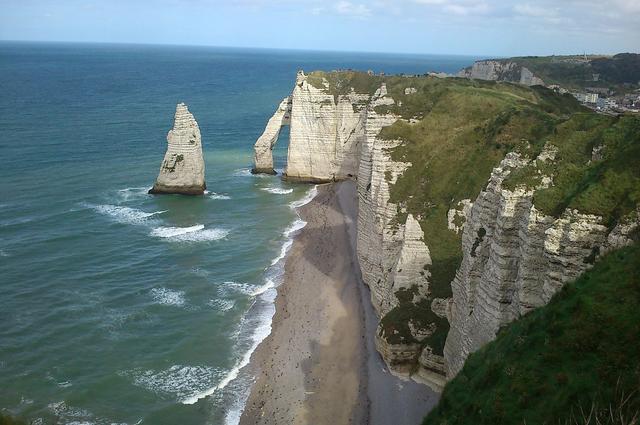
(182, 169)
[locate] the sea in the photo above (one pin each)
(119, 307)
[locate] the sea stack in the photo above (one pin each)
(182, 169)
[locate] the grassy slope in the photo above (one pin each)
(465, 129)
(609, 187)
(578, 351)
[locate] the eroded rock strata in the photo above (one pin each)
(512, 257)
(182, 169)
(515, 259)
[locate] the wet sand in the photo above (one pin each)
(319, 364)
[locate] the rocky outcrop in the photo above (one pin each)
(496, 70)
(182, 169)
(326, 133)
(412, 267)
(515, 258)
(263, 157)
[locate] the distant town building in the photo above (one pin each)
(591, 98)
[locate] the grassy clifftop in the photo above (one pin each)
(575, 357)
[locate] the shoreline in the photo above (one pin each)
(319, 364)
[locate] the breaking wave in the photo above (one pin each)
(178, 381)
(214, 195)
(277, 190)
(311, 193)
(196, 233)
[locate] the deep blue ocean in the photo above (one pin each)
(121, 307)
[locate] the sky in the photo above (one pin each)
(465, 27)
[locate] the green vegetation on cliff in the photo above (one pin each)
(454, 131)
(462, 129)
(575, 357)
(596, 170)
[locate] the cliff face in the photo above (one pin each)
(494, 70)
(449, 252)
(182, 169)
(515, 258)
(326, 133)
(333, 136)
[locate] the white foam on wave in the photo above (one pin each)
(125, 215)
(266, 293)
(214, 195)
(133, 192)
(196, 233)
(261, 331)
(311, 193)
(277, 190)
(221, 305)
(289, 232)
(70, 415)
(249, 289)
(167, 296)
(179, 381)
(242, 172)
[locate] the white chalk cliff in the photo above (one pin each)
(496, 70)
(182, 169)
(336, 137)
(263, 156)
(514, 257)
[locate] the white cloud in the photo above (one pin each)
(458, 7)
(358, 10)
(430, 1)
(467, 9)
(528, 9)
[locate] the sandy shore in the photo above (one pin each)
(319, 364)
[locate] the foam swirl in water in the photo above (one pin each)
(125, 215)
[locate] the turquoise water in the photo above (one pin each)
(118, 306)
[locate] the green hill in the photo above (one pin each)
(574, 359)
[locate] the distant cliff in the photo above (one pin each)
(617, 74)
(477, 201)
(182, 169)
(501, 70)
